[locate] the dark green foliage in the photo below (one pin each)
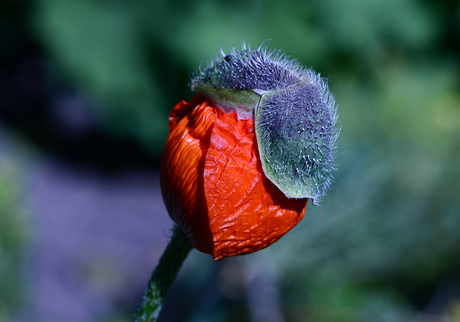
(14, 239)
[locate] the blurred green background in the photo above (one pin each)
(385, 243)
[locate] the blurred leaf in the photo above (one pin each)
(98, 46)
(14, 238)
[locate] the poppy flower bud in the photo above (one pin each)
(245, 154)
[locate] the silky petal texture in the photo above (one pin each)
(247, 212)
(182, 170)
(214, 186)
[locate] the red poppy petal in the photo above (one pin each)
(182, 170)
(183, 108)
(246, 211)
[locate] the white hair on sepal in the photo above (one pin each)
(247, 62)
(222, 52)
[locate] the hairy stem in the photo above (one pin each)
(163, 277)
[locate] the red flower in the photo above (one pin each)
(213, 184)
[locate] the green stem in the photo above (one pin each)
(163, 277)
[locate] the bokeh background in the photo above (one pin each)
(85, 90)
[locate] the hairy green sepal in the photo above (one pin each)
(242, 101)
(287, 136)
(293, 110)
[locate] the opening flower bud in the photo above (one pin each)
(246, 153)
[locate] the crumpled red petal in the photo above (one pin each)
(247, 212)
(182, 168)
(214, 187)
